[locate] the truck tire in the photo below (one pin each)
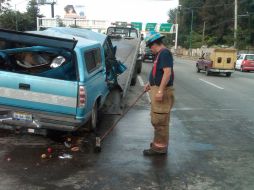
(198, 69)
(207, 72)
(134, 81)
(134, 77)
(228, 74)
(94, 117)
(139, 65)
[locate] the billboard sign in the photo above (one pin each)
(74, 11)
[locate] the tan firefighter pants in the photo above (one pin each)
(160, 117)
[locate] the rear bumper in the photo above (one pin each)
(40, 120)
(248, 68)
(222, 70)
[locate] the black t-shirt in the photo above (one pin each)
(165, 60)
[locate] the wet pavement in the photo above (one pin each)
(211, 145)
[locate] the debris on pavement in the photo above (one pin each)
(49, 150)
(67, 143)
(75, 149)
(65, 156)
(43, 156)
(8, 159)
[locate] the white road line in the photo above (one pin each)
(214, 85)
(141, 82)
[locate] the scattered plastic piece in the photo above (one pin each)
(49, 150)
(75, 149)
(65, 156)
(67, 145)
(43, 156)
(8, 159)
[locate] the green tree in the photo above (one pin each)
(172, 15)
(32, 12)
(3, 5)
(15, 20)
(219, 21)
(59, 22)
(8, 19)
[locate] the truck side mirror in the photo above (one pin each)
(114, 50)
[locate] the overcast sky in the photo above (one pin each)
(112, 10)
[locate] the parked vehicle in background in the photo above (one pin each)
(219, 60)
(147, 55)
(245, 62)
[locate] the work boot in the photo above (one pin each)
(151, 152)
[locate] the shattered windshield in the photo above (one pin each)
(123, 32)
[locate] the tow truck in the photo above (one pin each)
(127, 39)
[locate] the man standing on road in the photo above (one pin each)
(161, 91)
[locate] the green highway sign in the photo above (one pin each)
(166, 27)
(137, 25)
(150, 26)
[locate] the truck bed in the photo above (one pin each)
(127, 52)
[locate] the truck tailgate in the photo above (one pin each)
(39, 93)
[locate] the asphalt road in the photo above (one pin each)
(211, 143)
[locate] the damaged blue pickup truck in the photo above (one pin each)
(55, 79)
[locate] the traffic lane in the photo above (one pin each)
(217, 126)
(211, 132)
(233, 92)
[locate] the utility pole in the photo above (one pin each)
(203, 36)
(190, 47)
(235, 28)
(16, 18)
(176, 27)
(52, 9)
(249, 31)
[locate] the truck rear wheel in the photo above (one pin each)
(134, 77)
(94, 117)
(207, 72)
(133, 81)
(139, 64)
(198, 69)
(228, 74)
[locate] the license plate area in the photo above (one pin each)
(22, 116)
